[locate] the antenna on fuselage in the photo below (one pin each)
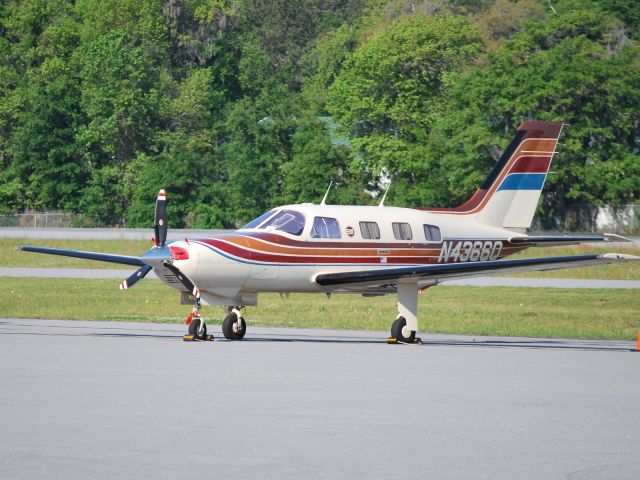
(381, 204)
(324, 199)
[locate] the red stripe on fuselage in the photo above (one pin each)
(313, 257)
(531, 165)
(267, 257)
(285, 241)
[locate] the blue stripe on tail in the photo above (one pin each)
(523, 181)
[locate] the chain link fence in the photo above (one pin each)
(49, 220)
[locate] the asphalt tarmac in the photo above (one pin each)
(127, 400)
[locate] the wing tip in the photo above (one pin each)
(620, 257)
(614, 237)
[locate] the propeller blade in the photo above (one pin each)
(138, 274)
(161, 219)
(188, 284)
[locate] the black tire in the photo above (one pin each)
(230, 328)
(396, 331)
(195, 325)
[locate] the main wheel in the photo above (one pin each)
(401, 332)
(234, 328)
(196, 330)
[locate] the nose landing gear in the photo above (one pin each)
(196, 325)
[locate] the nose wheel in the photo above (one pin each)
(233, 326)
(196, 326)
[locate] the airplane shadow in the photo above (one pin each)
(533, 344)
(427, 341)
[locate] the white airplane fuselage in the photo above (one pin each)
(232, 268)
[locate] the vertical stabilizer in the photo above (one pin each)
(515, 191)
(509, 195)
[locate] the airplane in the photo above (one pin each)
(367, 250)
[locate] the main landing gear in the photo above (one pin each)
(233, 326)
(404, 328)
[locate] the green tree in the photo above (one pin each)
(316, 161)
(120, 103)
(391, 89)
(40, 109)
(570, 69)
(142, 22)
(44, 152)
(187, 163)
(257, 143)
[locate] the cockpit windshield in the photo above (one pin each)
(288, 221)
(257, 221)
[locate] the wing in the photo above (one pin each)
(436, 273)
(558, 240)
(102, 257)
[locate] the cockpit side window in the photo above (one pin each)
(325, 227)
(288, 221)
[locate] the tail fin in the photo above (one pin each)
(509, 195)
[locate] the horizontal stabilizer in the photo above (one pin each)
(559, 240)
(101, 257)
(436, 273)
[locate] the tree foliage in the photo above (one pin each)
(569, 68)
(392, 88)
(235, 106)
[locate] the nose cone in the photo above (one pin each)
(156, 256)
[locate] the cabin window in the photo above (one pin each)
(432, 233)
(402, 231)
(288, 221)
(325, 227)
(370, 230)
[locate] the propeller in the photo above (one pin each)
(160, 228)
(137, 275)
(159, 255)
(161, 219)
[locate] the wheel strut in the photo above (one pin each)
(405, 327)
(197, 329)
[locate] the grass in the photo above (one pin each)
(9, 257)
(576, 313)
